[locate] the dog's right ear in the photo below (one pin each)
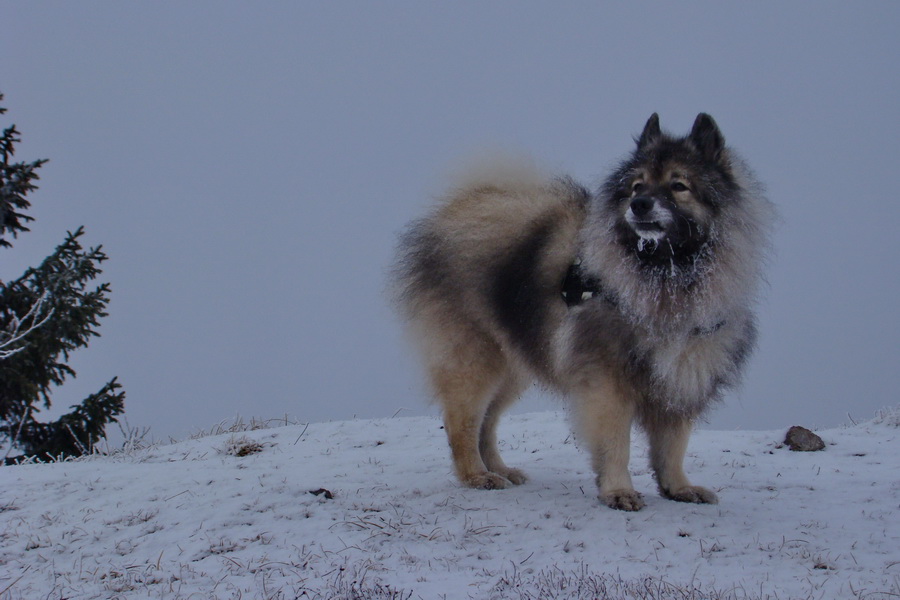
(651, 132)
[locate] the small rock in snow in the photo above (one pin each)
(322, 492)
(800, 439)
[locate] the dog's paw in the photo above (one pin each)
(693, 494)
(628, 500)
(487, 481)
(515, 476)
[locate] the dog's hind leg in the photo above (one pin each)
(668, 444)
(466, 380)
(507, 393)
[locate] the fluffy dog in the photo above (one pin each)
(635, 301)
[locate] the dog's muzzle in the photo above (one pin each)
(648, 219)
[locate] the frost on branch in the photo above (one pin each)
(12, 338)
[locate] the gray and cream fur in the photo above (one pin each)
(671, 246)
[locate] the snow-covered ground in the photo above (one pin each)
(195, 520)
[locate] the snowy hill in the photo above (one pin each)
(234, 516)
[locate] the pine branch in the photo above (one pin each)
(16, 181)
(19, 327)
(75, 433)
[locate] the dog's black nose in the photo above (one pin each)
(641, 205)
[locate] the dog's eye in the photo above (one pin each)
(638, 187)
(677, 186)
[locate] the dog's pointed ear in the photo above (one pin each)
(651, 132)
(706, 137)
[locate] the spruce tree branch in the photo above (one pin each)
(14, 440)
(20, 327)
(81, 448)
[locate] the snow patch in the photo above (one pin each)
(191, 520)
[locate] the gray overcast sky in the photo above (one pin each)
(248, 166)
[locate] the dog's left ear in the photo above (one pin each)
(706, 137)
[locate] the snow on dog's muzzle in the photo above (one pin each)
(647, 218)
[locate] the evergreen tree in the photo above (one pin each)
(48, 312)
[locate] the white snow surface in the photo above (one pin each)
(191, 520)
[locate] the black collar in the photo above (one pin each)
(700, 331)
(578, 287)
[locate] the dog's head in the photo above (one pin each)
(668, 193)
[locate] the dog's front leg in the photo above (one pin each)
(604, 416)
(668, 444)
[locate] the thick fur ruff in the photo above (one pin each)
(676, 238)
